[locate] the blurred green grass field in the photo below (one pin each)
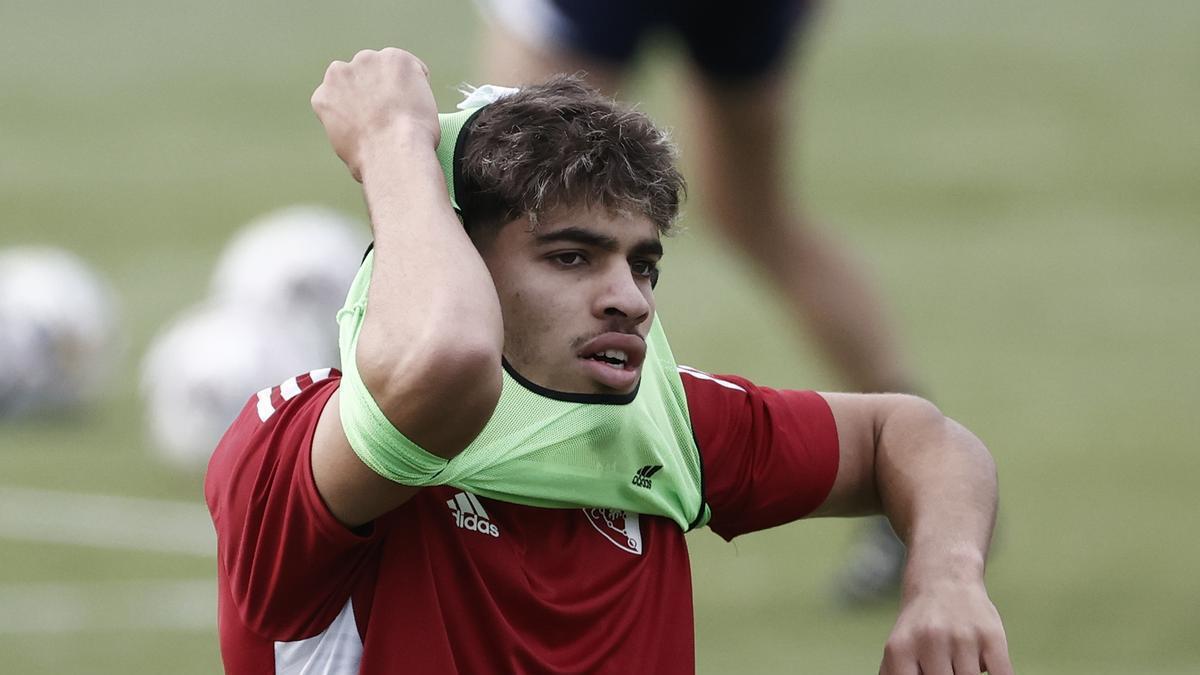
(1023, 180)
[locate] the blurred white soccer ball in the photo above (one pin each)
(59, 333)
(296, 262)
(205, 365)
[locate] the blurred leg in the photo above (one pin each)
(740, 145)
(511, 59)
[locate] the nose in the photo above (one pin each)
(623, 297)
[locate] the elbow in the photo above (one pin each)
(909, 415)
(933, 432)
(396, 359)
(439, 395)
(395, 377)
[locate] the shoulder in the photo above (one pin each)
(274, 399)
(769, 455)
(723, 407)
(272, 429)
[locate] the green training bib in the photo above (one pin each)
(541, 448)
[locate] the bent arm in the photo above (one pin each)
(901, 456)
(430, 347)
(936, 482)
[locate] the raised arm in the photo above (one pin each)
(430, 347)
(936, 482)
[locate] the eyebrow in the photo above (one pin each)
(604, 242)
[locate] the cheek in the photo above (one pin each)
(544, 311)
(523, 322)
(536, 325)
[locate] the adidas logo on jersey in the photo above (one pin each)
(469, 514)
(642, 477)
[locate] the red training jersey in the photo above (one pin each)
(451, 582)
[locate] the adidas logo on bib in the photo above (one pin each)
(642, 477)
(469, 514)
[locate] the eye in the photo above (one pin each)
(645, 268)
(568, 259)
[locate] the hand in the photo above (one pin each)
(363, 103)
(947, 628)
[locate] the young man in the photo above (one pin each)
(521, 357)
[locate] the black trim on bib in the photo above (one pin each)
(568, 397)
(700, 462)
(464, 195)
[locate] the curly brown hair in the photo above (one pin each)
(564, 144)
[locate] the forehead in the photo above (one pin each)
(589, 226)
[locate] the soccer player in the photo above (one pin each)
(501, 479)
(736, 95)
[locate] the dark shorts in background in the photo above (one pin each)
(727, 40)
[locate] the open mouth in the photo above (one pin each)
(615, 358)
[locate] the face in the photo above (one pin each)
(576, 297)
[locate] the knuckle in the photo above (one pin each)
(932, 634)
(895, 648)
(335, 68)
(962, 635)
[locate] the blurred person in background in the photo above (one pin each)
(502, 478)
(737, 96)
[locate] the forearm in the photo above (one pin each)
(432, 335)
(937, 484)
(429, 345)
(429, 286)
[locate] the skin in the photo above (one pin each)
(540, 295)
(574, 259)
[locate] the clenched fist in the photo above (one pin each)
(949, 628)
(377, 99)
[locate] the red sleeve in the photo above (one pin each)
(770, 456)
(287, 563)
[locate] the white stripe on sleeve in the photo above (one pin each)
(701, 375)
(265, 409)
(289, 388)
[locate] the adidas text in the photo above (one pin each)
(469, 514)
(470, 521)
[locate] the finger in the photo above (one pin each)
(967, 661)
(937, 666)
(935, 659)
(995, 659)
(898, 660)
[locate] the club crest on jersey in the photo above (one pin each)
(469, 514)
(622, 528)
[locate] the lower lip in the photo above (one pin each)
(621, 379)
